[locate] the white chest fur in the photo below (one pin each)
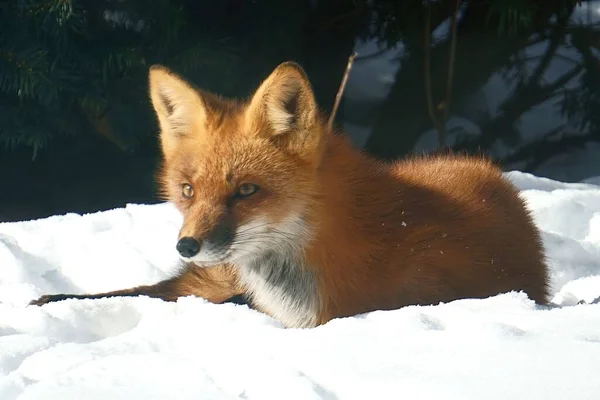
(283, 288)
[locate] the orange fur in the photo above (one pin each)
(350, 234)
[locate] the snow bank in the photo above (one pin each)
(502, 347)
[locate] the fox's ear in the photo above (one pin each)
(178, 106)
(285, 103)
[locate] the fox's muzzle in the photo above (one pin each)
(207, 245)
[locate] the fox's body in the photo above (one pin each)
(280, 209)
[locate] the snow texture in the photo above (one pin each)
(503, 347)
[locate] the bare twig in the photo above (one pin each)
(444, 106)
(427, 61)
(451, 58)
(338, 96)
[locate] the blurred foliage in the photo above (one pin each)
(78, 67)
(528, 43)
(390, 21)
(581, 103)
(75, 67)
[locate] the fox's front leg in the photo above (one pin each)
(215, 284)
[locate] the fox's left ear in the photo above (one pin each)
(285, 103)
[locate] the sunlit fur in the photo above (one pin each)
(334, 232)
(331, 232)
(267, 142)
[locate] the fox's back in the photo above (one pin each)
(463, 231)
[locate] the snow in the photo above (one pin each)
(503, 347)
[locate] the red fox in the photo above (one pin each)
(281, 209)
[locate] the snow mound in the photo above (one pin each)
(141, 348)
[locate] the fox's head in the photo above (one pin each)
(242, 173)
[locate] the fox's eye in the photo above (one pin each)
(187, 191)
(246, 189)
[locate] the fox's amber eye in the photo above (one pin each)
(246, 189)
(187, 191)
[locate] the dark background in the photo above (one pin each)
(77, 133)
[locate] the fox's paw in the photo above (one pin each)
(49, 298)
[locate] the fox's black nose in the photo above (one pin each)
(188, 246)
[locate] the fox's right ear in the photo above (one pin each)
(178, 106)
